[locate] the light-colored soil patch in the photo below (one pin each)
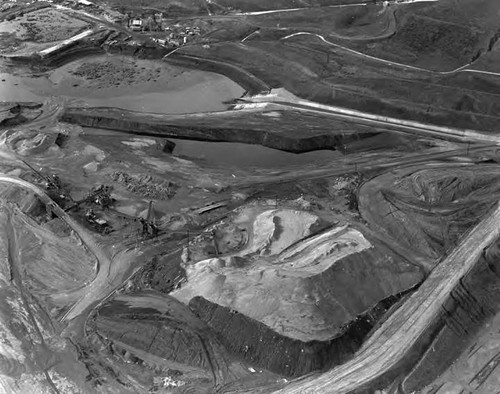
(51, 262)
(44, 26)
(276, 230)
(301, 285)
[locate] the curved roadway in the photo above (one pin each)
(457, 70)
(390, 344)
(104, 262)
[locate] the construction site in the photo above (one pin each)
(241, 196)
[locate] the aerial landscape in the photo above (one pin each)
(250, 196)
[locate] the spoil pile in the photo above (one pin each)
(146, 185)
(288, 283)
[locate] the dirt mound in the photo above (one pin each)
(12, 114)
(276, 230)
(146, 185)
(306, 290)
(29, 142)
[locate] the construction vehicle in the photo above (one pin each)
(100, 195)
(51, 182)
(98, 223)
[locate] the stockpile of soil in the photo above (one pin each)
(146, 185)
(303, 302)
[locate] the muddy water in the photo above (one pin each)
(153, 87)
(13, 88)
(219, 154)
(246, 155)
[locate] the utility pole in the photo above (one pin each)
(187, 247)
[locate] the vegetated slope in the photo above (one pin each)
(428, 210)
(265, 5)
(366, 22)
(442, 35)
(171, 7)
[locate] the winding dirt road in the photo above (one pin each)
(361, 54)
(89, 294)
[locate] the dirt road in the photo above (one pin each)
(89, 293)
(460, 69)
(391, 343)
(281, 99)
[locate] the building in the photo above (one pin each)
(136, 24)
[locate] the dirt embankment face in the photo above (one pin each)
(427, 211)
(259, 345)
(13, 114)
(259, 128)
(153, 333)
(472, 305)
(301, 289)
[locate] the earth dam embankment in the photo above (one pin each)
(224, 126)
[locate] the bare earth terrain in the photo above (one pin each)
(244, 196)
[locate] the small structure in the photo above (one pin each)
(169, 146)
(85, 2)
(136, 24)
